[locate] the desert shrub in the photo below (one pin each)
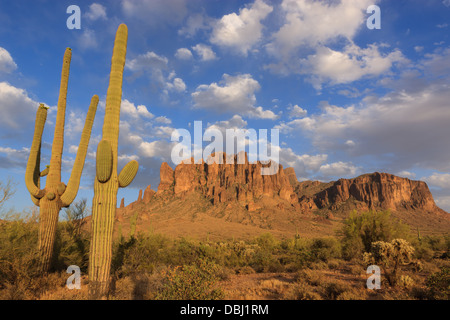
(141, 254)
(309, 276)
(438, 284)
(360, 231)
(390, 256)
(405, 282)
(18, 256)
(245, 270)
(332, 290)
(191, 282)
(302, 291)
(324, 249)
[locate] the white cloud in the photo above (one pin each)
(338, 169)
(241, 31)
(351, 64)
(157, 68)
(446, 3)
(87, 39)
(301, 27)
(163, 119)
(195, 23)
(96, 11)
(441, 180)
(128, 108)
(183, 54)
(234, 94)
(236, 122)
(205, 52)
(7, 63)
(402, 129)
(17, 108)
(177, 85)
(406, 174)
(297, 112)
(147, 61)
(14, 157)
(304, 165)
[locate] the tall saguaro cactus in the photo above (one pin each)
(107, 181)
(56, 194)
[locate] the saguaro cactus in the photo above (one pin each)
(56, 194)
(107, 181)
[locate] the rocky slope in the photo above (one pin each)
(238, 193)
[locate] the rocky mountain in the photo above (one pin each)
(238, 193)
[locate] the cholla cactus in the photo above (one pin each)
(107, 180)
(56, 194)
(390, 256)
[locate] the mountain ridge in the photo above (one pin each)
(239, 194)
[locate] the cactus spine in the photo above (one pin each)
(55, 195)
(107, 181)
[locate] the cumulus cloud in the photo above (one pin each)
(13, 158)
(337, 20)
(351, 64)
(326, 52)
(183, 54)
(204, 52)
(441, 180)
(196, 22)
(235, 94)
(147, 61)
(297, 112)
(241, 31)
(405, 128)
(129, 108)
(7, 64)
(96, 11)
(305, 165)
(17, 108)
(338, 169)
(156, 67)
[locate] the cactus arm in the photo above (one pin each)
(128, 173)
(74, 181)
(54, 175)
(44, 172)
(104, 161)
(32, 170)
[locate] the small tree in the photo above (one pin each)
(361, 230)
(7, 190)
(75, 216)
(390, 256)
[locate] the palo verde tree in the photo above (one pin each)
(55, 195)
(107, 181)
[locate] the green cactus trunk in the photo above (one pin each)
(55, 195)
(107, 182)
(48, 219)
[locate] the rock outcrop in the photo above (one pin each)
(242, 182)
(222, 182)
(370, 192)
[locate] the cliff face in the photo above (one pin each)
(244, 184)
(226, 182)
(372, 191)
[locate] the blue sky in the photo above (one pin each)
(347, 100)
